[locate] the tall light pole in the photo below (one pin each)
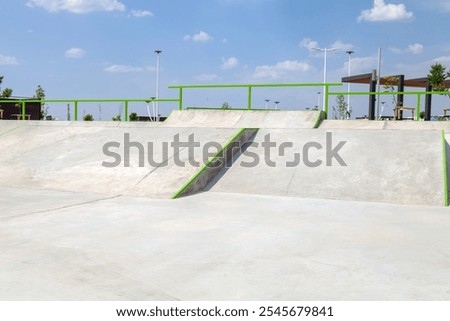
(349, 52)
(318, 100)
(157, 52)
(325, 51)
(276, 105)
(267, 102)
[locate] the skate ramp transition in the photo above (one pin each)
(244, 119)
(385, 124)
(402, 167)
(75, 157)
(394, 166)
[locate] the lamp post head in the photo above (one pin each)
(158, 52)
(349, 52)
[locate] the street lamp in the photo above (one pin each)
(325, 51)
(267, 102)
(349, 52)
(318, 99)
(157, 52)
(276, 104)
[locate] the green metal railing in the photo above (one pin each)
(22, 103)
(419, 95)
(249, 88)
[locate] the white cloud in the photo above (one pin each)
(75, 53)
(123, 69)
(230, 63)
(199, 37)
(77, 6)
(342, 46)
(395, 50)
(281, 69)
(141, 13)
(445, 60)
(416, 48)
(309, 44)
(207, 77)
(385, 12)
(440, 5)
(361, 65)
(7, 60)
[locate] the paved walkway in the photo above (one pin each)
(215, 246)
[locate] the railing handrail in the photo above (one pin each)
(250, 87)
(388, 93)
(75, 101)
(126, 101)
(254, 85)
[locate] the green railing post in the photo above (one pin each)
(75, 110)
(125, 118)
(327, 89)
(418, 107)
(180, 97)
(23, 109)
(249, 101)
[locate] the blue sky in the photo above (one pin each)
(105, 48)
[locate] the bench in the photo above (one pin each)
(446, 110)
(19, 116)
(398, 112)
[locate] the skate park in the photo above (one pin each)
(288, 205)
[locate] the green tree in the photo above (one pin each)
(133, 117)
(389, 86)
(40, 94)
(7, 92)
(117, 118)
(88, 117)
(340, 111)
(225, 106)
(437, 76)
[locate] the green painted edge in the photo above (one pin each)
(205, 166)
(318, 119)
(444, 163)
(170, 115)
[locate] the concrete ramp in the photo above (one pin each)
(352, 124)
(419, 125)
(201, 118)
(386, 124)
(402, 167)
(78, 157)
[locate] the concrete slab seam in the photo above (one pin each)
(61, 207)
(444, 163)
(205, 166)
(11, 130)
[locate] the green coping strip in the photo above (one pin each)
(170, 115)
(318, 119)
(444, 163)
(205, 166)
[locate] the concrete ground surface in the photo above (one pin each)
(199, 118)
(71, 229)
(215, 246)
